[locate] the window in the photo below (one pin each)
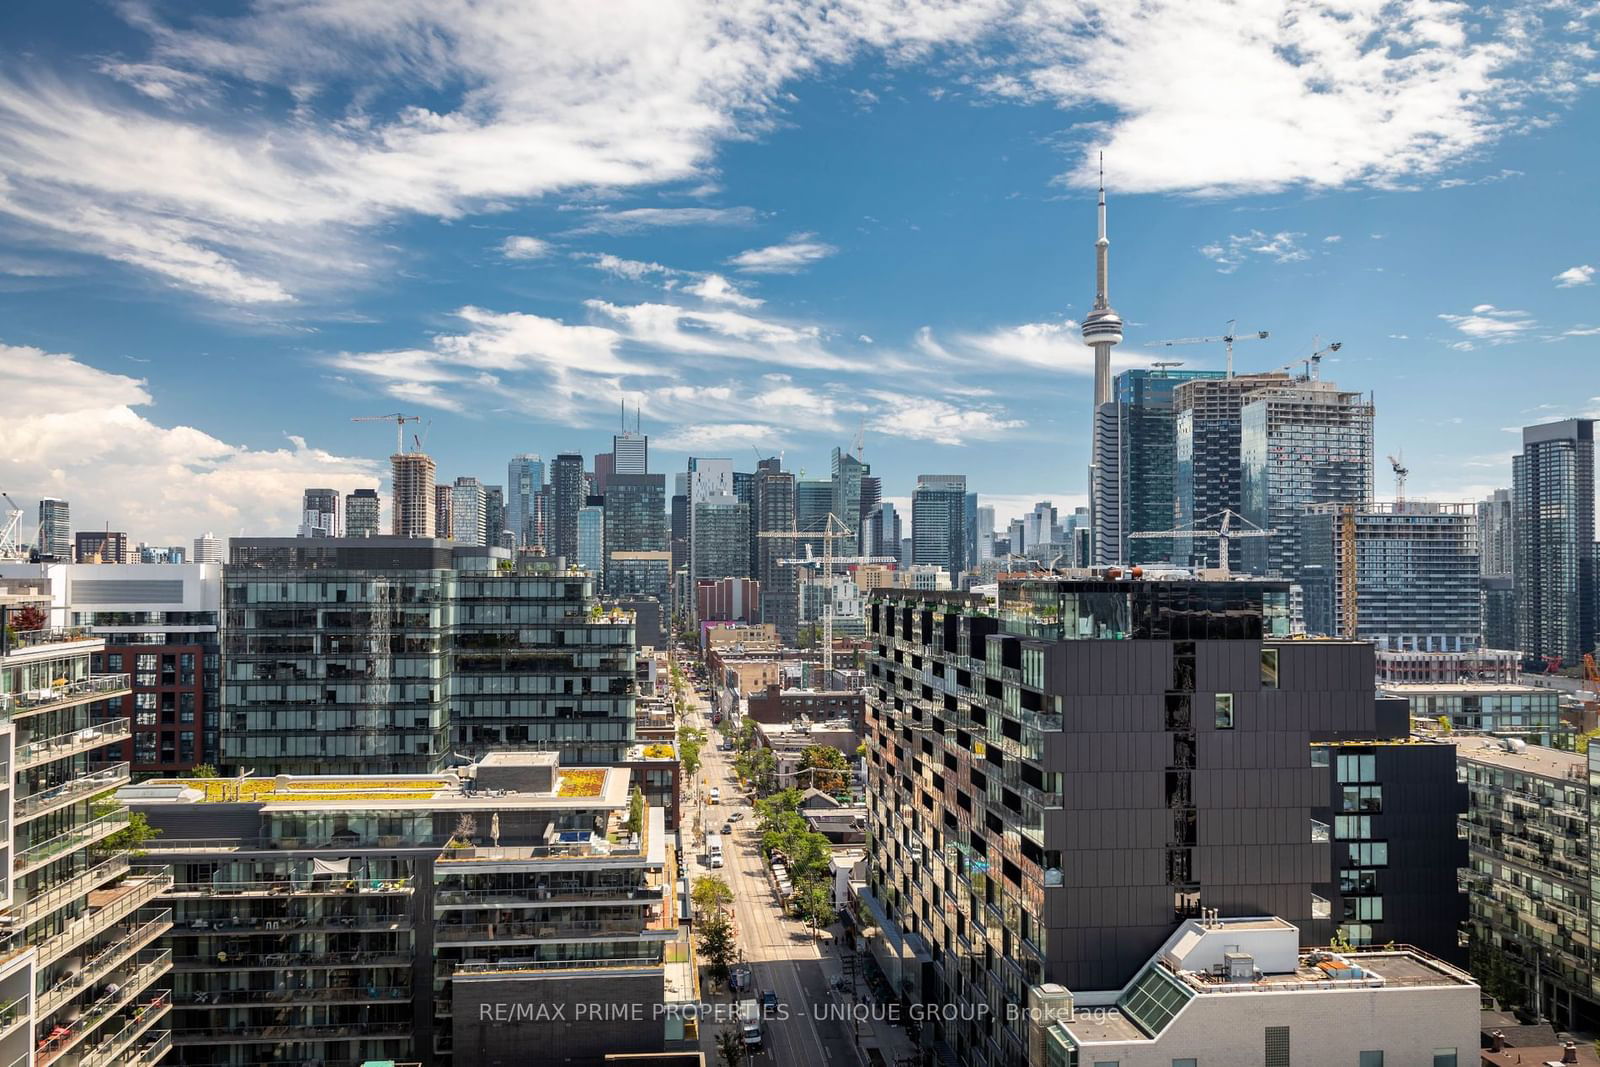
(1190, 1062)
(1224, 711)
(1371, 1059)
(1357, 769)
(1361, 798)
(1444, 1057)
(1373, 854)
(114, 662)
(1277, 1046)
(1352, 827)
(1366, 909)
(1269, 668)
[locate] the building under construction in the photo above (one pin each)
(413, 494)
(1415, 569)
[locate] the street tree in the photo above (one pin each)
(730, 1048)
(716, 942)
(830, 768)
(814, 904)
(710, 894)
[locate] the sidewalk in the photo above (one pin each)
(877, 1031)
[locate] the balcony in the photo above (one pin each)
(298, 997)
(63, 1039)
(41, 904)
(112, 907)
(272, 1035)
(275, 961)
(114, 1046)
(103, 962)
(56, 797)
(550, 931)
(152, 1050)
(14, 1016)
(532, 898)
(94, 687)
(63, 844)
(282, 887)
(32, 640)
(85, 739)
(1319, 833)
(1320, 908)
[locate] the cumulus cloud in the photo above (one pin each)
(790, 257)
(1573, 276)
(645, 218)
(524, 248)
(718, 290)
(923, 418)
(1052, 346)
(1281, 247)
(80, 433)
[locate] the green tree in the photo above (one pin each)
(689, 742)
(814, 903)
(202, 770)
(730, 1048)
(716, 942)
(131, 838)
(636, 811)
(830, 768)
(808, 636)
(710, 894)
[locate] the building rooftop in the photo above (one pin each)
(586, 787)
(1408, 689)
(1529, 759)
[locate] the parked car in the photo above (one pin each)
(736, 816)
(769, 1000)
(727, 827)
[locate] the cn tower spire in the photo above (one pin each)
(1102, 247)
(1102, 329)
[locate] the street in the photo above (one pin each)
(779, 950)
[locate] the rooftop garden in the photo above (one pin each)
(658, 751)
(265, 790)
(581, 783)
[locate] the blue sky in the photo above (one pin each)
(222, 237)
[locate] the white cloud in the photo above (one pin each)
(524, 248)
(78, 432)
(1572, 276)
(632, 269)
(927, 419)
(450, 116)
(1490, 325)
(718, 290)
(647, 218)
(794, 255)
(1281, 247)
(1332, 238)
(729, 437)
(723, 334)
(1582, 331)
(1052, 346)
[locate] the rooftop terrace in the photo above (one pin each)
(1529, 759)
(587, 787)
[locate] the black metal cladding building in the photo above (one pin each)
(1056, 780)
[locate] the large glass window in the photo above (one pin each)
(1269, 668)
(1371, 1059)
(1224, 711)
(1444, 1057)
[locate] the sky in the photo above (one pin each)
(769, 227)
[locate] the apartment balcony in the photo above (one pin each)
(70, 792)
(111, 906)
(46, 698)
(14, 1016)
(84, 739)
(272, 1035)
(277, 961)
(107, 1042)
(252, 925)
(150, 1050)
(56, 897)
(117, 1046)
(296, 998)
(582, 929)
(63, 844)
(104, 961)
(464, 899)
(272, 888)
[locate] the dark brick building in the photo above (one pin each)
(776, 704)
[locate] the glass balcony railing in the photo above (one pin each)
(1320, 834)
(71, 791)
(96, 1018)
(132, 895)
(46, 901)
(84, 739)
(94, 687)
(62, 844)
(105, 960)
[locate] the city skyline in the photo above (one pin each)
(729, 282)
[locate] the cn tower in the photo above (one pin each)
(1102, 328)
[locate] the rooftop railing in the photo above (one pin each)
(23, 640)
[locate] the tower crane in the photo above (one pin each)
(1311, 362)
(11, 531)
(1227, 339)
(833, 529)
(1400, 472)
(399, 426)
(1224, 531)
(1164, 364)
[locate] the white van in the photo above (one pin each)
(716, 795)
(713, 850)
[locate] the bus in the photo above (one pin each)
(713, 850)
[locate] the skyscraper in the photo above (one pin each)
(604, 466)
(720, 542)
(413, 494)
(55, 528)
(101, 546)
(494, 518)
(1497, 535)
(938, 522)
(847, 473)
(469, 511)
(775, 510)
(635, 520)
(1102, 329)
(361, 513)
(710, 479)
(208, 548)
(1147, 455)
(631, 453)
(1552, 491)
(969, 528)
(524, 479)
(986, 532)
(813, 500)
(1301, 444)
(1207, 473)
(871, 496)
(444, 512)
(567, 496)
(592, 538)
(319, 509)
(744, 491)
(884, 531)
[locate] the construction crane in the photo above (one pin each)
(1224, 532)
(1227, 339)
(399, 421)
(1311, 362)
(11, 531)
(833, 529)
(1164, 364)
(1400, 472)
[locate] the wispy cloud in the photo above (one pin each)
(928, 419)
(795, 254)
(718, 290)
(1573, 276)
(1230, 253)
(1487, 324)
(648, 218)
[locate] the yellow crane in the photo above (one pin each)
(399, 421)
